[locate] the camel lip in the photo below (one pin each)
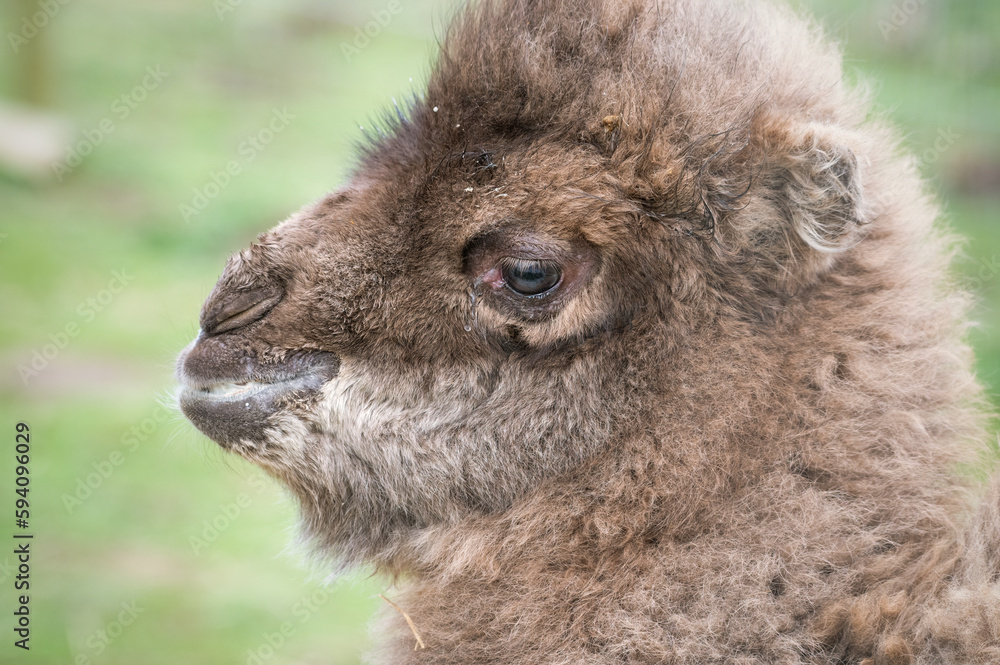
(233, 410)
(218, 373)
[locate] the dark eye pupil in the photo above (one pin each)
(531, 278)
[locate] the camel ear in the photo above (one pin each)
(814, 179)
(806, 204)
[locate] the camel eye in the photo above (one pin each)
(530, 278)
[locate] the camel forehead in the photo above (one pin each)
(410, 210)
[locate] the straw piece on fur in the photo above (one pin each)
(420, 643)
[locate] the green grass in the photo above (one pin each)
(129, 541)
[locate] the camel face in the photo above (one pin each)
(421, 346)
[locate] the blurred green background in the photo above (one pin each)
(137, 518)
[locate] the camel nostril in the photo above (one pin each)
(228, 311)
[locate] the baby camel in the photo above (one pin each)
(632, 340)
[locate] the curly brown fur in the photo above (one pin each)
(737, 430)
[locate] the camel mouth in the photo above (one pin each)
(234, 409)
(233, 390)
(242, 390)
